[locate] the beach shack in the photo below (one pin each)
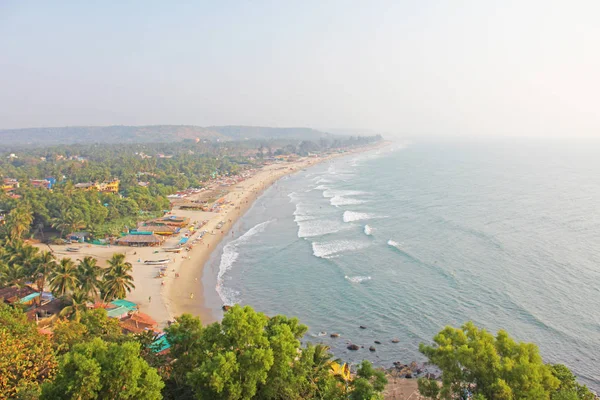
(117, 312)
(141, 240)
(163, 230)
(172, 220)
(138, 322)
(14, 295)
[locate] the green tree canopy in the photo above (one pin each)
(26, 356)
(101, 370)
(251, 356)
(474, 361)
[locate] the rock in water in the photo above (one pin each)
(362, 327)
(377, 342)
(226, 308)
(395, 340)
(353, 347)
(372, 348)
(334, 335)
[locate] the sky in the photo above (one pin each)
(529, 67)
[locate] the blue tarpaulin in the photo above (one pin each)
(183, 240)
(29, 297)
(160, 344)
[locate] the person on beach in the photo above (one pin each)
(149, 299)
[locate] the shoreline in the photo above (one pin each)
(176, 295)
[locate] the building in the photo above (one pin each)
(141, 240)
(138, 322)
(9, 184)
(104, 187)
(41, 183)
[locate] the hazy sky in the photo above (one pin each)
(472, 67)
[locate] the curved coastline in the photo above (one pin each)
(194, 291)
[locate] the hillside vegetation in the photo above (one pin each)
(149, 134)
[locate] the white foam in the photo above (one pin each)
(229, 257)
(293, 196)
(351, 216)
(357, 279)
(318, 227)
(323, 180)
(393, 244)
(344, 201)
(334, 248)
(368, 230)
(338, 192)
(321, 187)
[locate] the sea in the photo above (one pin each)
(415, 236)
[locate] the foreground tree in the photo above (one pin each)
(101, 370)
(474, 362)
(251, 356)
(26, 357)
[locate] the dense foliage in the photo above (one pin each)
(76, 283)
(162, 168)
(26, 357)
(250, 356)
(476, 363)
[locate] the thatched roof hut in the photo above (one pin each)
(159, 229)
(140, 240)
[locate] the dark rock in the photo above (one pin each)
(408, 376)
(226, 307)
(334, 335)
(372, 348)
(377, 342)
(362, 327)
(395, 340)
(353, 347)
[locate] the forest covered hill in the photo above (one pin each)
(150, 134)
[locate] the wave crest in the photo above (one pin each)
(229, 257)
(357, 279)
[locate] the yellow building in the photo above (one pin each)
(105, 187)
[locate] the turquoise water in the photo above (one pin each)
(408, 239)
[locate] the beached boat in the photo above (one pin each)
(73, 249)
(154, 262)
(172, 249)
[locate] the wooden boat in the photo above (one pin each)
(172, 249)
(73, 249)
(154, 262)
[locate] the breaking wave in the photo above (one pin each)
(357, 279)
(344, 201)
(335, 192)
(368, 230)
(351, 216)
(394, 244)
(334, 248)
(229, 257)
(318, 227)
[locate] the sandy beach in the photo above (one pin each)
(180, 289)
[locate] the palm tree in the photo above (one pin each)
(88, 274)
(45, 263)
(19, 221)
(24, 255)
(78, 304)
(68, 220)
(117, 280)
(63, 279)
(12, 275)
